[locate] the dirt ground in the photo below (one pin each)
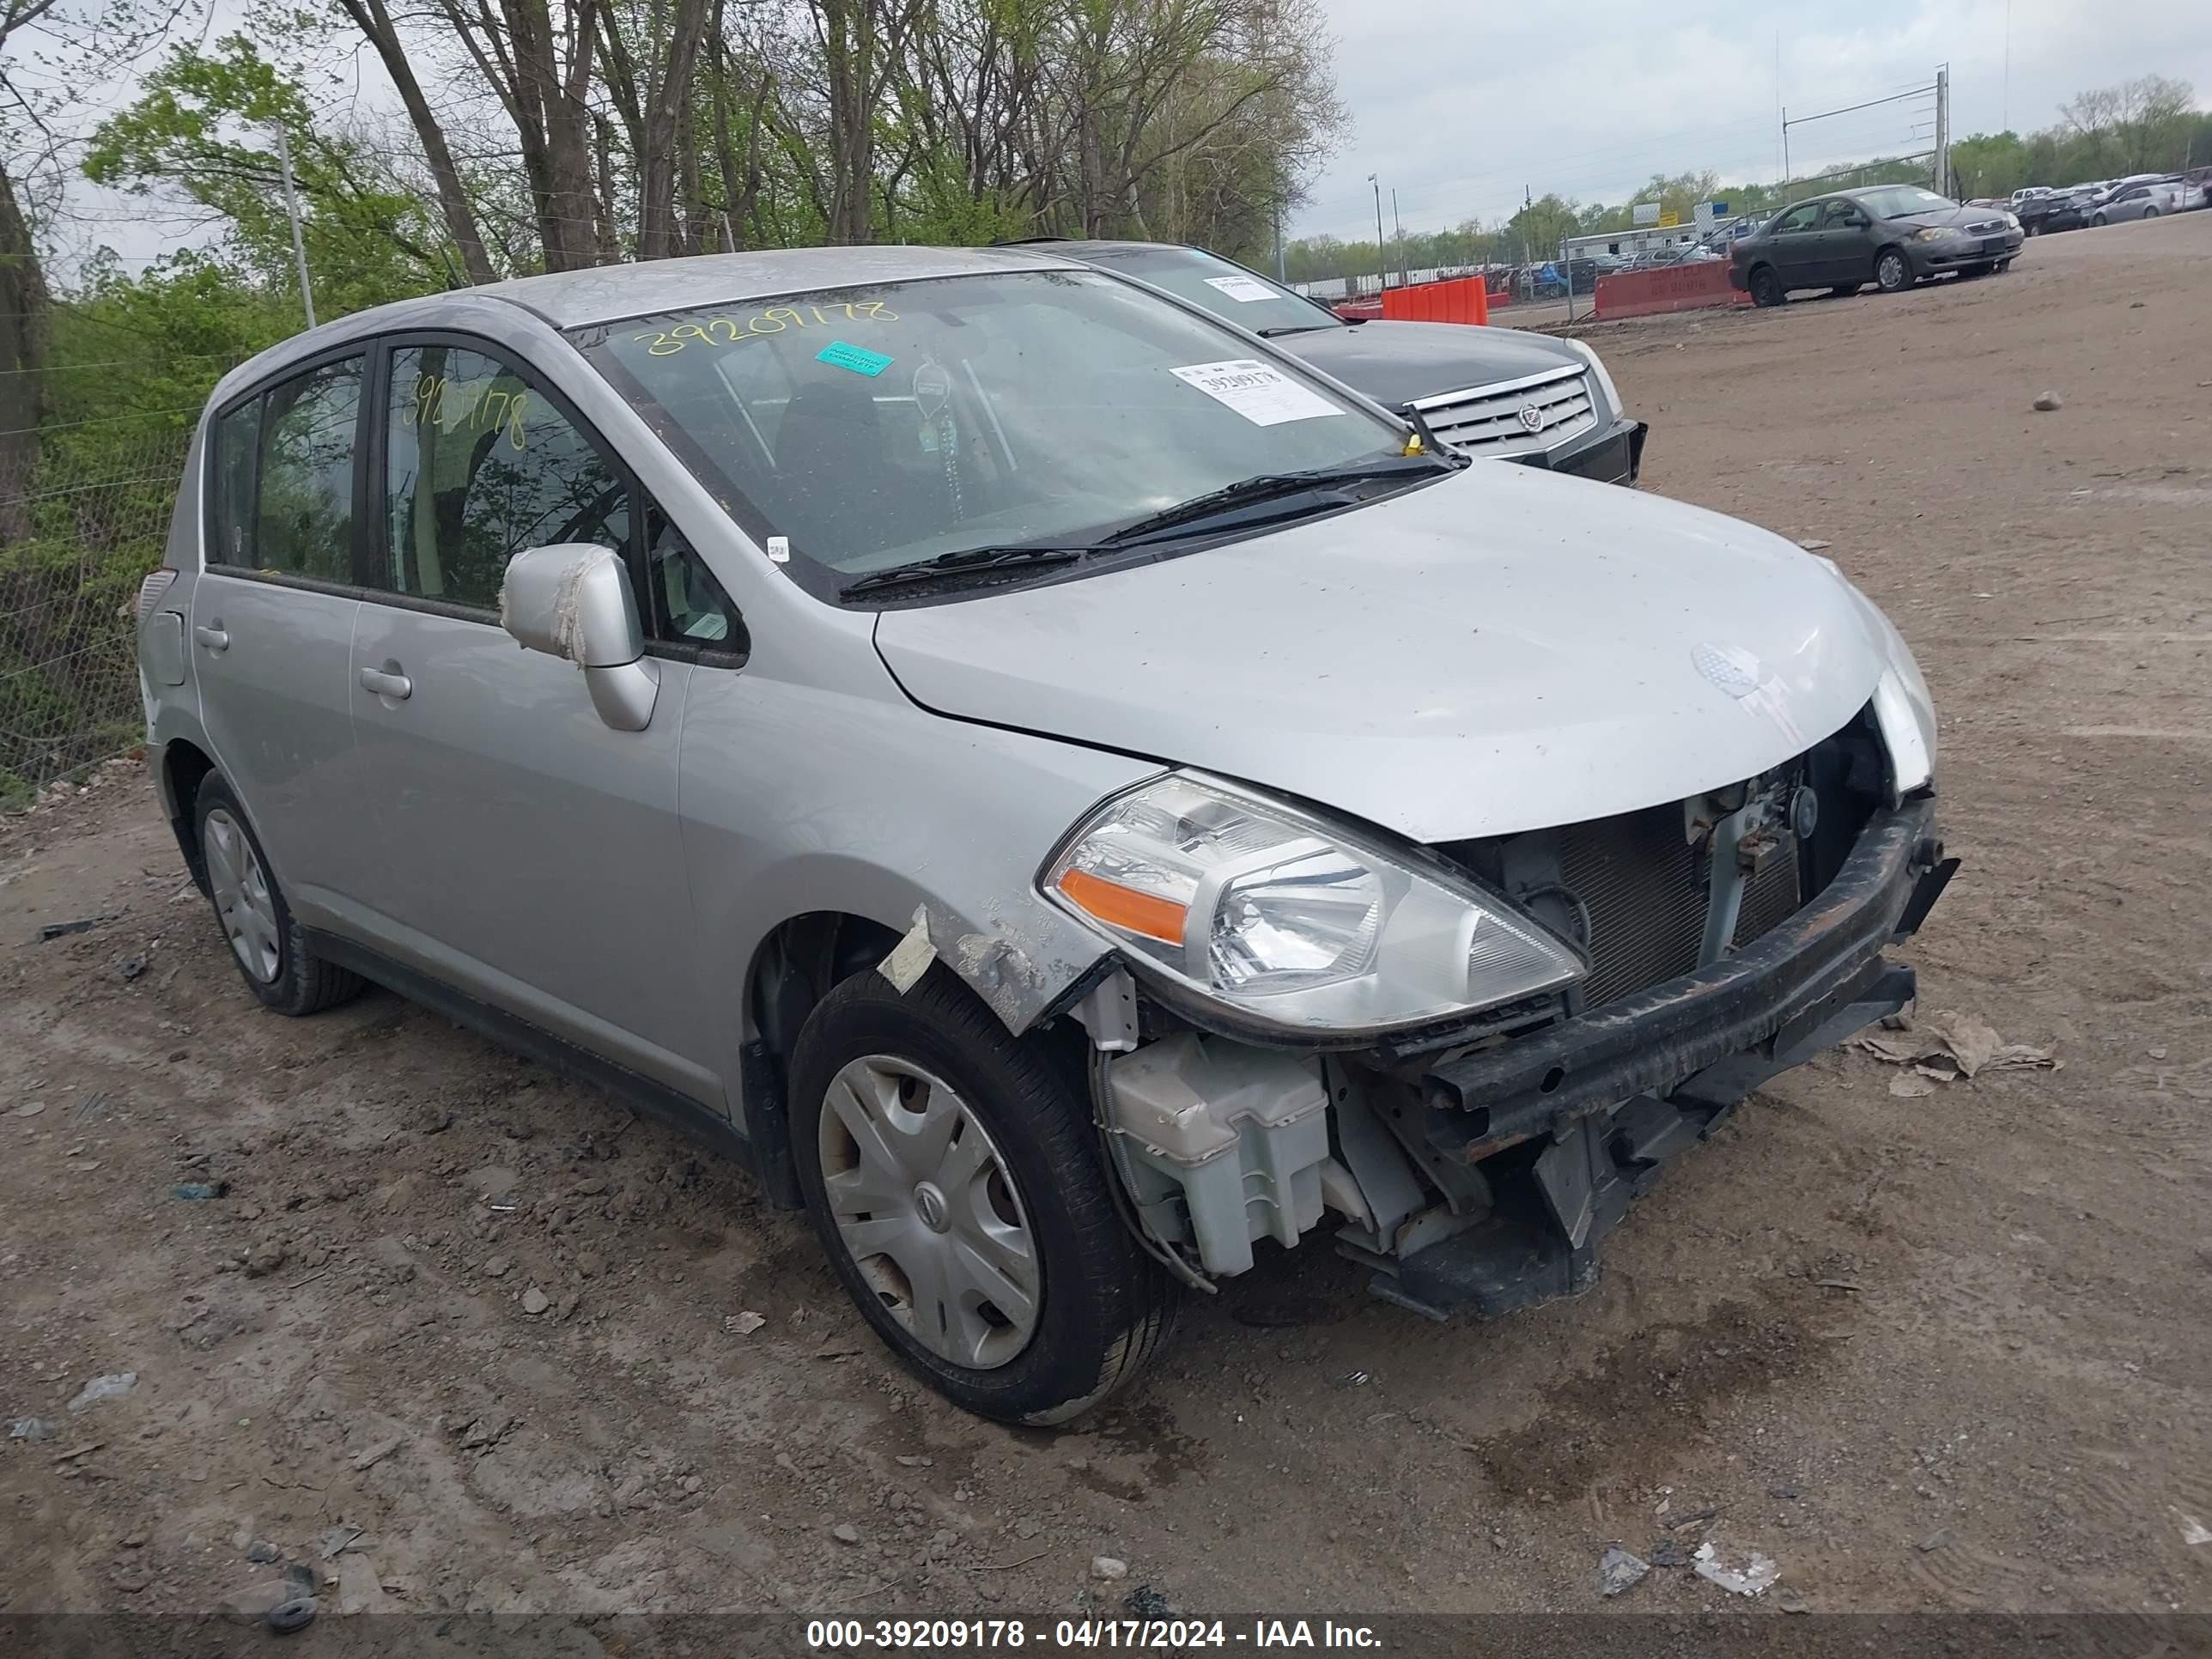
(1946, 1352)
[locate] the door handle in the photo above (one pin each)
(214, 638)
(386, 684)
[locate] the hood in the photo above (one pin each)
(1506, 650)
(1394, 363)
(1959, 216)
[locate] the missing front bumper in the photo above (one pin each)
(1573, 1123)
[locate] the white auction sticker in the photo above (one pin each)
(1246, 289)
(1263, 396)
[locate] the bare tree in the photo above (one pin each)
(374, 22)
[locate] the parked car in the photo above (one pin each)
(1059, 786)
(2140, 198)
(1893, 235)
(2062, 211)
(1500, 393)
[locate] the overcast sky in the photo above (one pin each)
(1459, 105)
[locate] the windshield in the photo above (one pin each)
(1227, 290)
(1895, 201)
(878, 426)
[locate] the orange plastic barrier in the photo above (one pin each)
(1670, 288)
(1462, 300)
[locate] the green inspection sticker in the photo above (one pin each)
(858, 359)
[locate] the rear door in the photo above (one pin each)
(272, 623)
(530, 854)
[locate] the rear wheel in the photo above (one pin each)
(954, 1177)
(1892, 271)
(269, 946)
(1766, 288)
(2150, 212)
(2098, 222)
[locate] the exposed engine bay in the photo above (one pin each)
(1730, 936)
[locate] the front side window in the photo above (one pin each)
(876, 427)
(479, 466)
(303, 513)
(1798, 218)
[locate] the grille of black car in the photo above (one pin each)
(1646, 886)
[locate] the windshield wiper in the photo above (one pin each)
(1281, 328)
(1270, 485)
(967, 562)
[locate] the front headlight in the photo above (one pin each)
(1935, 233)
(1294, 922)
(1597, 367)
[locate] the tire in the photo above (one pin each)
(1978, 271)
(2098, 222)
(2003, 265)
(267, 944)
(1892, 271)
(1766, 285)
(2150, 212)
(1031, 1191)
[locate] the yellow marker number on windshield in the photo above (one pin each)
(775, 319)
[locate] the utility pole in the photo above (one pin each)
(2006, 117)
(291, 212)
(1381, 247)
(1943, 130)
(1399, 225)
(1280, 274)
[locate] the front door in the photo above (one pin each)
(530, 854)
(272, 625)
(1845, 238)
(1796, 246)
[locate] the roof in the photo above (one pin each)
(604, 293)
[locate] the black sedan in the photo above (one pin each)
(1499, 392)
(1891, 235)
(2065, 210)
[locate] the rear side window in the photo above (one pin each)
(230, 491)
(480, 467)
(303, 515)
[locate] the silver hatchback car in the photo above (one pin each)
(1064, 791)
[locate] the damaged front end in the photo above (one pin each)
(1475, 1165)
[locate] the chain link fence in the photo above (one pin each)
(80, 525)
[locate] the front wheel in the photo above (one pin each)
(2098, 222)
(2150, 212)
(1892, 272)
(1766, 288)
(955, 1179)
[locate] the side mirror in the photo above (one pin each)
(573, 601)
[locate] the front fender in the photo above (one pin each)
(799, 799)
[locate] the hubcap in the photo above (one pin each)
(929, 1211)
(242, 897)
(1892, 271)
